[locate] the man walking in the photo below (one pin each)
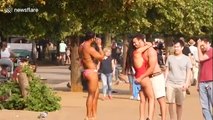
(177, 74)
(205, 86)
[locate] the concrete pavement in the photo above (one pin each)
(73, 104)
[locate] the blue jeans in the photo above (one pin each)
(206, 99)
(118, 68)
(107, 83)
(135, 87)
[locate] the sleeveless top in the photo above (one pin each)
(139, 71)
(106, 66)
(5, 53)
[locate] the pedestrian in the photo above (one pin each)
(106, 69)
(5, 60)
(156, 76)
(68, 54)
(186, 51)
(195, 61)
(205, 86)
(134, 88)
(88, 54)
(137, 47)
(130, 71)
(62, 51)
(177, 75)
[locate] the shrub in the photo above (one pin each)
(40, 97)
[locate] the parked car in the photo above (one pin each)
(24, 51)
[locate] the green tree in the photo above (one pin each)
(58, 19)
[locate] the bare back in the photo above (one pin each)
(151, 56)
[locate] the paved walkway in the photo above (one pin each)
(73, 104)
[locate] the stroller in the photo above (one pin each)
(6, 69)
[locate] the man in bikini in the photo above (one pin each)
(140, 66)
(88, 54)
(154, 73)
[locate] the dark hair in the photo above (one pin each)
(4, 43)
(129, 58)
(89, 35)
(179, 41)
(205, 39)
(140, 36)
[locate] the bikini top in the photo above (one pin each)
(139, 71)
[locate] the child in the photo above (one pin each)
(106, 68)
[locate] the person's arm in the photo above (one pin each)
(12, 54)
(152, 61)
(147, 46)
(188, 75)
(201, 56)
(99, 55)
(167, 69)
(98, 65)
(113, 64)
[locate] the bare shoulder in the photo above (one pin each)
(151, 51)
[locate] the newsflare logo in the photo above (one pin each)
(20, 10)
(8, 10)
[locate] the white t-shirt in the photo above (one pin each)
(5, 53)
(194, 51)
(62, 47)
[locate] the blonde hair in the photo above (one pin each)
(106, 50)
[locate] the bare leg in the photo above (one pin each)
(142, 105)
(179, 109)
(95, 103)
(162, 102)
(171, 111)
(92, 94)
(148, 91)
(69, 60)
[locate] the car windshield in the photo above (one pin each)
(21, 52)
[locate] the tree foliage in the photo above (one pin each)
(57, 19)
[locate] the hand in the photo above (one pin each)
(199, 43)
(185, 87)
(98, 41)
(137, 80)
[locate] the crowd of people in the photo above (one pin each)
(148, 82)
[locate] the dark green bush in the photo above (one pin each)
(40, 96)
(14, 100)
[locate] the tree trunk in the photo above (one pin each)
(125, 43)
(108, 39)
(75, 76)
(23, 83)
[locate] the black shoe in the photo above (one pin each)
(114, 91)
